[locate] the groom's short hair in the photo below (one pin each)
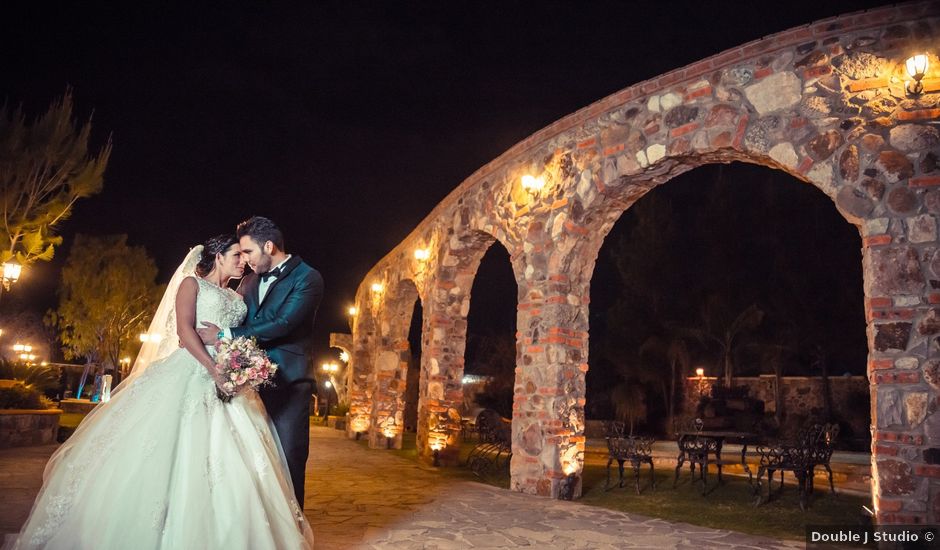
(261, 230)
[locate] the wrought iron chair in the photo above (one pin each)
(813, 447)
(621, 448)
(690, 447)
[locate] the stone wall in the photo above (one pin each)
(25, 428)
(826, 103)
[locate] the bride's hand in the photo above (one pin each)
(220, 391)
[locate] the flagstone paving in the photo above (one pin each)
(362, 499)
(357, 498)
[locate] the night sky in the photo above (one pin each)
(344, 122)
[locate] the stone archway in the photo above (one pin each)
(827, 103)
(444, 339)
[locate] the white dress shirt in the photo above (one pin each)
(263, 287)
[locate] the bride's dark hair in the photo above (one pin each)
(216, 245)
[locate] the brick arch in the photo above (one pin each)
(444, 340)
(825, 102)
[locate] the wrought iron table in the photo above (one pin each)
(696, 447)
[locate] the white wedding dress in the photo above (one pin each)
(166, 464)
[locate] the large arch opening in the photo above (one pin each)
(746, 273)
(490, 353)
(412, 382)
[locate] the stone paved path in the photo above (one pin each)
(358, 498)
(361, 499)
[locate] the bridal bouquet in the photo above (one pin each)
(241, 363)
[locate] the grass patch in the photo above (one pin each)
(727, 506)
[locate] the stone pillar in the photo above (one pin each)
(548, 402)
(901, 269)
(441, 392)
(388, 389)
(357, 377)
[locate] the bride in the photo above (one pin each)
(165, 463)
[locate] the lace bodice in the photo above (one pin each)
(220, 306)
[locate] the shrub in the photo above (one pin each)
(21, 396)
(38, 376)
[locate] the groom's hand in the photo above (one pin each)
(209, 333)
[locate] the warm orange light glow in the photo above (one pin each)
(377, 287)
(353, 310)
(700, 372)
(360, 424)
(422, 254)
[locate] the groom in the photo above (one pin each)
(282, 296)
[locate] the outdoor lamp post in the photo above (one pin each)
(328, 385)
(330, 369)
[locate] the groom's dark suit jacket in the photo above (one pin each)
(282, 322)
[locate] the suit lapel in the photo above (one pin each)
(286, 269)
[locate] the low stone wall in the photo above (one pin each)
(25, 428)
(802, 398)
(77, 406)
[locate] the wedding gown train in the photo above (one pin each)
(166, 465)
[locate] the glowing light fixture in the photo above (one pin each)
(422, 254)
(344, 357)
(532, 184)
(352, 311)
(11, 273)
(700, 372)
(917, 68)
(378, 288)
